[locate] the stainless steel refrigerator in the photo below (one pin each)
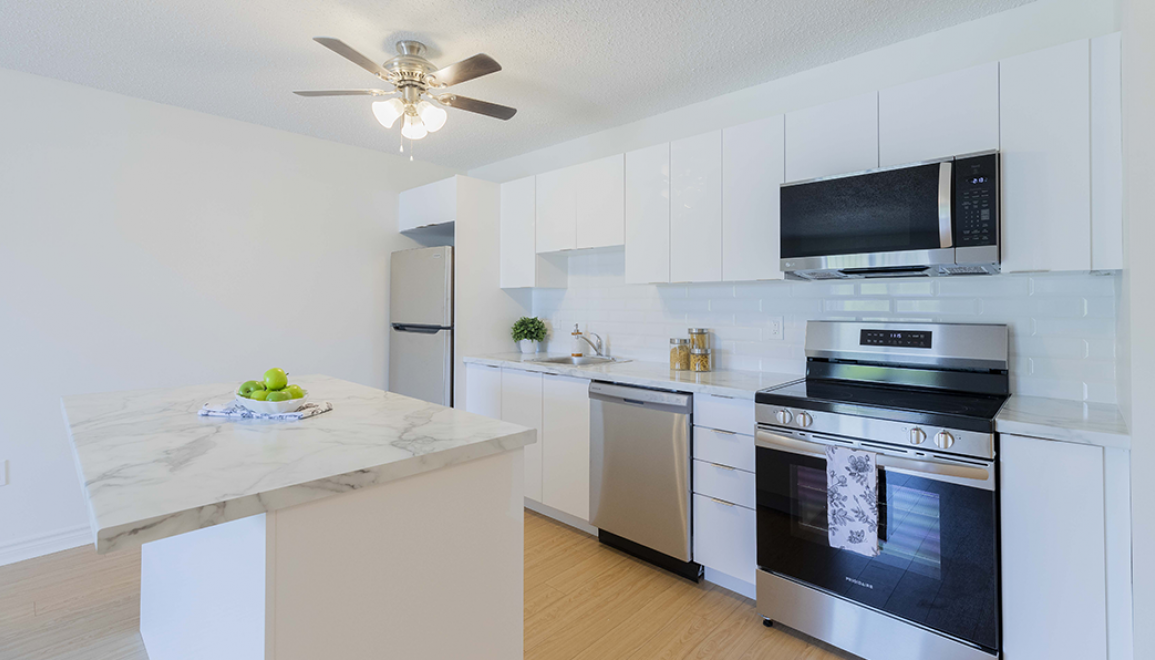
(421, 324)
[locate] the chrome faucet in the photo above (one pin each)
(597, 347)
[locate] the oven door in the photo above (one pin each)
(938, 566)
(884, 219)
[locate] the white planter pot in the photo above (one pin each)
(527, 346)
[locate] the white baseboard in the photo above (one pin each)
(730, 582)
(560, 516)
(44, 544)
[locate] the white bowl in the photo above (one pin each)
(272, 407)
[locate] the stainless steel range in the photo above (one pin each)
(922, 399)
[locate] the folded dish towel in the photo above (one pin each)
(852, 500)
(235, 411)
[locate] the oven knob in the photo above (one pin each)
(783, 416)
(944, 439)
(804, 419)
(917, 436)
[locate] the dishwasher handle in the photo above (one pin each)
(641, 397)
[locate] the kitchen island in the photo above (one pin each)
(358, 533)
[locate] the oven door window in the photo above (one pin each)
(938, 561)
(891, 211)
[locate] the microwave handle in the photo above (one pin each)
(945, 223)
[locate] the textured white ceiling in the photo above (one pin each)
(571, 67)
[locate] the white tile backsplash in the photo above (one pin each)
(1062, 324)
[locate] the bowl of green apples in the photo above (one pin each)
(271, 394)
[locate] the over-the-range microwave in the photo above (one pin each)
(926, 219)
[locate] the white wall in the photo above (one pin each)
(149, 246)
(1137, 302)
(1030, 27)
(1062, 325)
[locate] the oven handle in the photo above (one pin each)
(945, 222)
(974, 475)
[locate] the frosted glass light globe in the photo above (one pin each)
(387, 112)
(414, 128)
(432, 116)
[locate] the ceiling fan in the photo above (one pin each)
(416, 81)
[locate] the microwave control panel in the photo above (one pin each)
(976, 201)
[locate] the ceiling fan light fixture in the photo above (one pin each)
(432, 116)
(387, 112)
(414, 128)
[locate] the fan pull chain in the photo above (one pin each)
(402, 150)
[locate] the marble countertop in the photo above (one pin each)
(152, 468)
(1068, 421)
(738, 384)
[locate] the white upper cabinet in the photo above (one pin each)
(432, 204)
(835, 138)
(648, 215)
(601, 202)
(521, 266)
(1045, 101)
(753, 166)
(1106, 154)
(696, 208)
(948, 115)
(556, 210)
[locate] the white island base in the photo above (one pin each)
(426, 567)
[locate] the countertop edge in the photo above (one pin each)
(137, 533)
(627, 379)
(1059, 433)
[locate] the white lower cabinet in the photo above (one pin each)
(1059, 558)
(725, 537)
(565, 444)
(483, 390)
(521, 399)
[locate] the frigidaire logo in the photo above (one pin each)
(859, 582)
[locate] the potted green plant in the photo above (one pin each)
(528, 332)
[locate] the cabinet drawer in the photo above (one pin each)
(724, 483)
(724, 448)
(724, 413)
(725, 538)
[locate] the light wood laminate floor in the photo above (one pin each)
(583, 601)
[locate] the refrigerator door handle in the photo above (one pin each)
(423, 329)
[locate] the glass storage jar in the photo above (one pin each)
(699, 338)
(700, 359)
(679, 354)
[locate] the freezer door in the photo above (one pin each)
(421, 363)
(421, 287)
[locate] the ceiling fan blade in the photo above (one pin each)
(502, 112)
(345, 50)
(345, 92)
(468, 69)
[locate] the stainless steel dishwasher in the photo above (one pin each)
(640, 473)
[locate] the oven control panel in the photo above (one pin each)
(901, 338)
(881, 431)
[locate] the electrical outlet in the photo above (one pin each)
(4, 472)
(774, 331)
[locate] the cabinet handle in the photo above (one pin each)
(724, 467)
(724, 432)
(722, 501)
(723, 396)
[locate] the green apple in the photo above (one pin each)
(295, 391)
(277, 396)
(250, 386)
(275, 379)
(260, 395)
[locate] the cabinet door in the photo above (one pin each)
(753, 166)
(948, 115)
(521, 404)
(648, 215)
(835, 138)
(1106, 153)
(555, 210)
(601, 202)
(432, 204)
(1045, 105)
(725, 537)
(696, 208)
(565, 474)
(483, 390)
(1053, 550)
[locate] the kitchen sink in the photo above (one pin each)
(576, 361)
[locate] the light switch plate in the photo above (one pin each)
(774, 331)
